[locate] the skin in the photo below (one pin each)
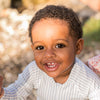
(52, 43)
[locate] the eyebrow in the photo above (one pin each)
(66, 40)
(35, 42)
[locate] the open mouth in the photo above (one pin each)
(51, 66)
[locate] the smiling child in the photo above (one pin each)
(56, 73)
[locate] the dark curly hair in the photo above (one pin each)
(59, 12)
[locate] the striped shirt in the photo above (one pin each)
(82, 84)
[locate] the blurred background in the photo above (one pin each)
(15, 16)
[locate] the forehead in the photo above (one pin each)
(51, 24)
(50, 29)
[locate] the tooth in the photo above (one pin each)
(48, 63)
(52, 63)
(51, 66)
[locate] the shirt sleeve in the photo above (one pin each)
(95, 90)
(23, 86)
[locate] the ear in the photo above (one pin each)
(32, 47)
(79, 46)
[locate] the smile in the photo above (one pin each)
(51, 66)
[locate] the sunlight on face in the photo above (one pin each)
(54, 48)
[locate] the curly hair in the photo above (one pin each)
(59, 12)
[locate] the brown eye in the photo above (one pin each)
(60, 46)
(39, 47)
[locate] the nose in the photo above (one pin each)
(49, 53)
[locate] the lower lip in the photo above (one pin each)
(51, 68)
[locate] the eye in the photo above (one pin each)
(39, 47)
(60, 45)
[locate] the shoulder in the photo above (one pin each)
(84, 69)
(86, 80)
(32, 73)
(85, 73)
(32, 70)
(32, 67)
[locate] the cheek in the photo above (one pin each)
(38, 56)
(67, 55)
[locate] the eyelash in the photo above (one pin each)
(39, 48)
(59, 45)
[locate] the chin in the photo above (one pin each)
(53, 75)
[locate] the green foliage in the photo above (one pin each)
(91, 31)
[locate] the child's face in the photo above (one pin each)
(54, 49)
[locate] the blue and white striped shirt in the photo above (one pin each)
(82, 84)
